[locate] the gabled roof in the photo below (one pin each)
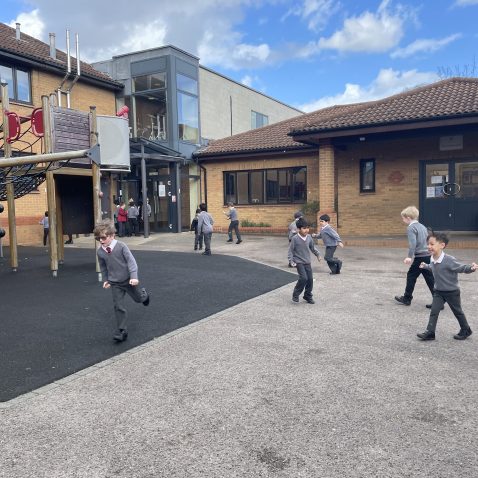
(447, 99)
(36, 52)
(273, 137)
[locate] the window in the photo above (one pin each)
(188, 109)
(367, 175)
(269, 186)
(258, 120)
(18, 81)
(150, 107)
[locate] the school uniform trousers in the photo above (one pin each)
(119, 290)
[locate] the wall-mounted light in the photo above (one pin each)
(362, 138)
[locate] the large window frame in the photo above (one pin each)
(188, 108)
(266, 186)
(367, 175)
(258, 120)
(19, 89)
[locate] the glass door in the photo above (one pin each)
(159, 195)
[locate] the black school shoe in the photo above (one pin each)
(403, 300)
(463, 334)
(146, 301)
(426, 335)
(309, 301)
(295, 299)
(120, 336)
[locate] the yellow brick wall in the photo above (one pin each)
(277, 215)
(378, 213)
(30, 208)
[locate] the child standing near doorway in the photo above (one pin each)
(331, 240)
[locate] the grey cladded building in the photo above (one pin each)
(175, 107)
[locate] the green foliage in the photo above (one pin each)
(311, 208)
(247, 223)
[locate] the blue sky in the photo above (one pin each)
(306, 53)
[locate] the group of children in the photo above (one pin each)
(426, 256)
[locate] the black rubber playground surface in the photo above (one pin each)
(53, 327)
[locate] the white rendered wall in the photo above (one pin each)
(215, 94)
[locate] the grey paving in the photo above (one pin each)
(269, 388)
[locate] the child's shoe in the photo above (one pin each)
(295, 299)
(463, 334)
(403, 300)
(120, 336)
(310, 300)
(427, 335)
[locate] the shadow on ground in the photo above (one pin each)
(53, 327)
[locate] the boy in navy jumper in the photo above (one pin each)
(331, 240)
(445, 270)
(301, 245)
(120, 273)
(417, 253)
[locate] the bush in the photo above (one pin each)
(247, 223)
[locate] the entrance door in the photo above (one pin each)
(159, 195)
(449, 195)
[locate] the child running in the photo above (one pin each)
(445, 269)
(331, 240)
(120, 273)
(301, 245)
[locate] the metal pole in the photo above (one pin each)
(144, 186)
(178, 196)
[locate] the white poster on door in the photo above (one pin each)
(161, 190)
(431, 192)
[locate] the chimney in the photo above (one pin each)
(17, 31)
(52, 46)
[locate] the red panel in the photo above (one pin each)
(14, 127)
(37, 122)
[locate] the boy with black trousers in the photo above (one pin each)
(300, 247)
(120, 273)
(197, 234)
(445, 269)
(331, 240)
(417, 253)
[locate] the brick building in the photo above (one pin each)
(32, 68)
(363, 163)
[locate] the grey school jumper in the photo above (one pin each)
(417, 240)
(118, 267)
(299, 250)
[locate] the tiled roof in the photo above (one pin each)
(32, 49)
(272, 137)
(451, 98)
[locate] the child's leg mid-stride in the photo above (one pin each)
(121, 314)
(306, 281)
(453, 300)
(334, 264)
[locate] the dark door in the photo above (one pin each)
(449, 195)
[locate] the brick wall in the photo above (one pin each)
(277, 215)
(30, 208)
(379, 212)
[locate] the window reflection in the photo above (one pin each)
(151, 110)
(188, 118)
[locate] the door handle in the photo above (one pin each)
(453, 191)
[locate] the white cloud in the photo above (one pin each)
(388, 82)
(424, 46)
(369, 32)
(464, 3)
(30, 23)
(317, 13)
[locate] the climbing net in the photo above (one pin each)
(27, 177)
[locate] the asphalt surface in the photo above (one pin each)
(268, 388)
(53, 327)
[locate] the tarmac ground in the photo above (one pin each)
(266, 387)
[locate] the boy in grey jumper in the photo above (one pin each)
(417, 253)
(301, 245)
(231, 214)
(331, 240)
(205, 223)
(120, 273)
(445, 269)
